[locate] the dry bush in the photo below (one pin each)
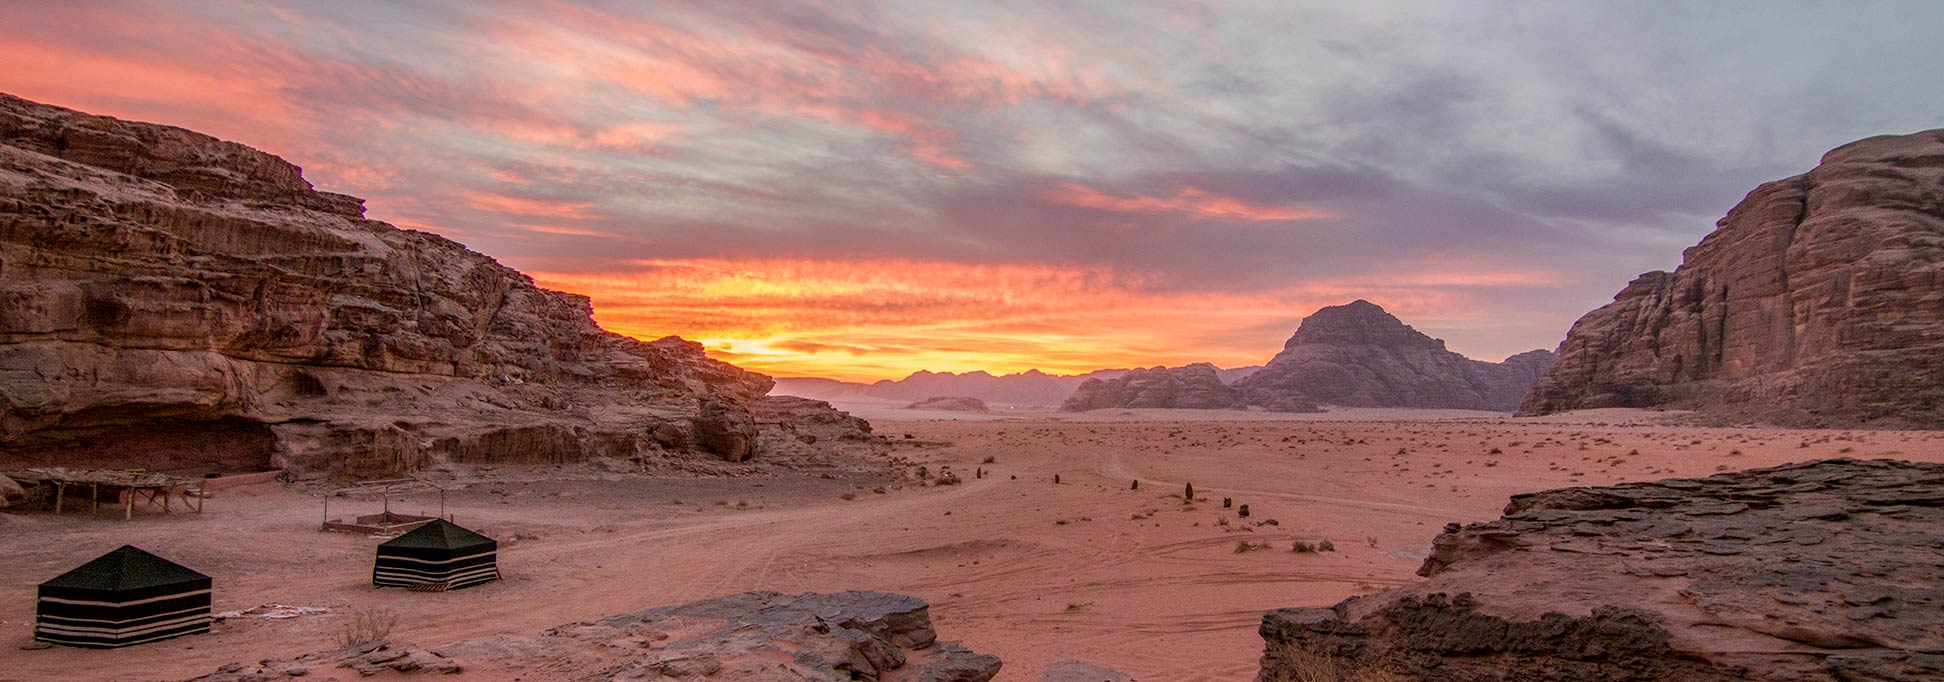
(369, 625)
(1302, 547)
(1296, 662)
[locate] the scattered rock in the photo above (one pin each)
(1817, 301)
(1746, 575)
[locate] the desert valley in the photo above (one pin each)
(252, 432)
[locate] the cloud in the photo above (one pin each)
(863, 189)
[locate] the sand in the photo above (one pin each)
(1012, 564)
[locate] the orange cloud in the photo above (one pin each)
(1187, 200)
(872, 319)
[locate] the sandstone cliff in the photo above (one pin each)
(1196, 386)
(168, 299)
(1358, 355)
(1818, 300)
(947, 403)
(1819, 571)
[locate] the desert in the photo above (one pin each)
(1020, 568)
(930, 342)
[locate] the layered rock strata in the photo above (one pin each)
(1820, 571)
(171, 300)
(1817, 301)
(1196, 386)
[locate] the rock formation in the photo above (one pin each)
(1357, 355)
(1817, 301)
(1196, 386)
(170, 299)
(1826, 570)
(950, 404)
(1031, 388)
(751, 637)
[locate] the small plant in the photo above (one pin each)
(1302, 547)
(990, 460)
(947, 478)
(1245, 546)
(1078, 605)
(1188, 494)
(1372, 540)
(1299, 662)
(369, 625)
(1325, 546)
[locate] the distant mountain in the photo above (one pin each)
(1358, 355)
(1031, 388)
(1196, 386)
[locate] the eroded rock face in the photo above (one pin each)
(1358, 355)
(1818, 300)
(1826, 570)
(157, 283)
(1196, 386)
(753, 637)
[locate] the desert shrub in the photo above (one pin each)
(1302, 547)
(947, 478)
(1246, 546)
(1325, 546)
(369, 625)
(989, 460)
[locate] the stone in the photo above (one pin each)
(10, 492)
(1196, 386)
(1817, 301)
(1358, 355)
(1689, 579)
(755, 636)
(170, 300)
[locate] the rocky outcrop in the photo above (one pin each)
(950, 404)
(1820, 571)
(752, 637)
(1031, 388)
(1357, 355)
(1818, 300)
(1196, 386)
(170, 299)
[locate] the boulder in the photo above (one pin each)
(168, 300)
(1820, 571)
(1817, 301)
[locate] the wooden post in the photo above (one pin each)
(327, 513)
(202, 490)
(129, 513)
(165, 498)
(60, 491)
(94, 497)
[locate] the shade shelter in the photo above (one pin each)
(437, 556)
(123, 598)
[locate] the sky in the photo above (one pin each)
(860, 190)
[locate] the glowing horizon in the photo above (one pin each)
(862, 190)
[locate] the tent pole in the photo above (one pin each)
(202, 491)
(165, 498)
(60, 491)
(129, 513)
(94, 497)
(327, 512)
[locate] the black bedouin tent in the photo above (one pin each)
(436, 556)
(125, 597)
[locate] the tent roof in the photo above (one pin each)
(439, 534)
(126, 568)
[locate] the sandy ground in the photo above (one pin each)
(1013, 564)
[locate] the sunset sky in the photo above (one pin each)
(861, 190)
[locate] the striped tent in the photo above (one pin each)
(437, 556)
(123, 598)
